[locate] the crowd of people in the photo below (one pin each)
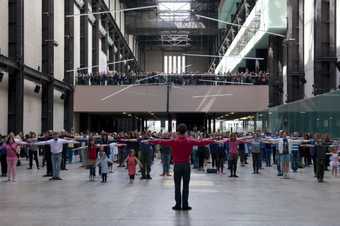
(107, 79)
(185, 150)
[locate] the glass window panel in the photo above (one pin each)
(179, 65)
(174, 69)
(165, 69)
(170, 65)
(183, 64)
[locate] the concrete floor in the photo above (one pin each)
(216, 200)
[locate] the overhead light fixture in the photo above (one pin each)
(111, 11)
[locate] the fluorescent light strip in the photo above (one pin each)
(109, 11)
(238, 25)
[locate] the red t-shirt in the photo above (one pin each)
(182, 147)
(92, 153)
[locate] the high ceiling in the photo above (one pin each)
(173, 24)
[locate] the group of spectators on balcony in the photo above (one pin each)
(113, 78)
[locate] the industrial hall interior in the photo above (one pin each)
(169, 112)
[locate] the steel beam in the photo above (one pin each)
(16, 76)
(69, 64)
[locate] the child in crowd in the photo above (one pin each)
(11, 149)
(92, 158)
(132, 162)
(103, 163)
(334, 162)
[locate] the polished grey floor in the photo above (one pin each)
(216, 200)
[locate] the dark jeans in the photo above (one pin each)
(256, 162)
(213, 160)
(104, 177)
(3, 162)
(268, 157)
(242, 157)
(233, 165)
(63, 159)
(320, 169)
(92, 171)
(182, 172)
(220, 161)
(278, 164)
(201, 156)
(33, 154)
(166, 158)
(146, 165)
(295, 160)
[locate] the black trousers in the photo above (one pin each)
(3, 162)
(201, 156)
(256, 162)
(213, 159)
(233, 165)
(104, 177)
(63, 159)
(48, 162)
(182, 172)
(220, 156)
(320, 169)
(33, 154)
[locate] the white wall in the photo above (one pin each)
(4, 51)
(153, 61)
(58, 112)
(102, 59)
(59, 37)
(309, 47)
(118, 13)
(32, 108)
(338, 37)
(4, 104)
(90, 48)
(4, 27)
(76, 40)
(32, 33)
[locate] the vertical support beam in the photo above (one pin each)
(95, 37)
(275, 66)
(69, 64)
(47, 97)
(84, 38)
(325, 46)
(214, 124)
(16, 77)
(111, 51)
(294, 45)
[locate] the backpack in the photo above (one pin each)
(285, 147)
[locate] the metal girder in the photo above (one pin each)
(119, 37)
(33, 74)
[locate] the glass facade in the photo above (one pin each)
(317, 114)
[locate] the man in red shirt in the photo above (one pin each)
(181, 152)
